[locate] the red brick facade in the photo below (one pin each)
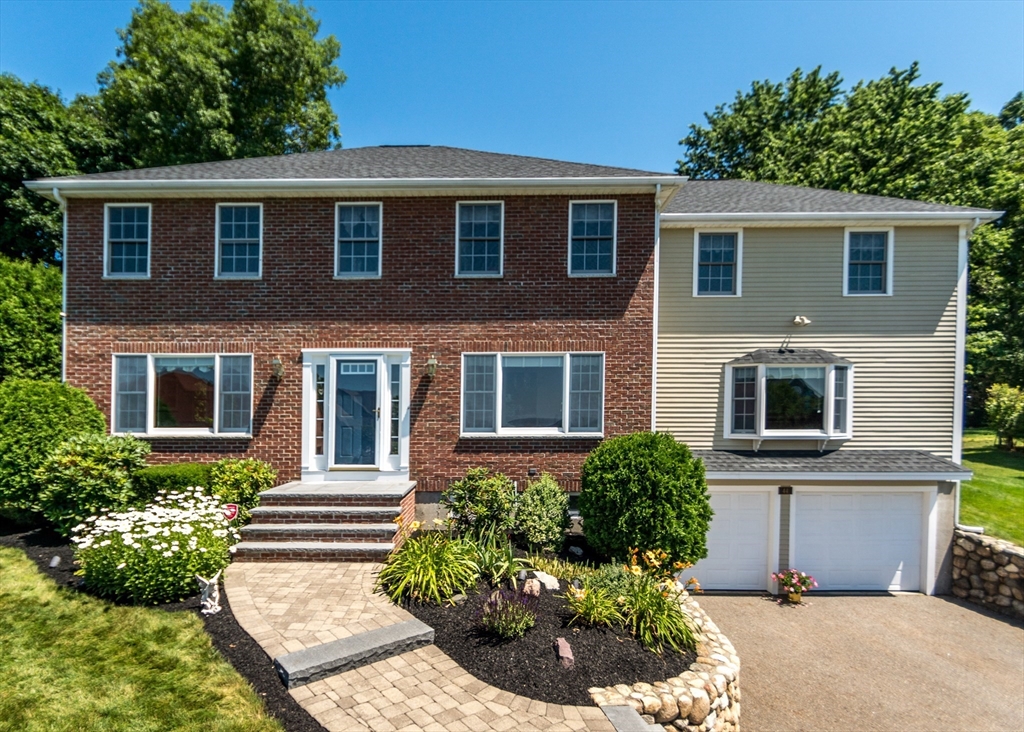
(417, 303)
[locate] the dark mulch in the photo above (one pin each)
(529, 666)
(237, 646)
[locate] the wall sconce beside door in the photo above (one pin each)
(432, 366)
(277, 367)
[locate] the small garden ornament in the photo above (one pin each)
(795, 583)
(210, 598)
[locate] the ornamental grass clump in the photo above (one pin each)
(593, 605)
(429, 567)
(508, 614)
(153, 554)
(654, 616)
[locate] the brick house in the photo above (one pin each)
(375, 321)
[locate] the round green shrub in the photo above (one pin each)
(35, 417)
(240, 482)
(172, 477)
(481, 502)
(542, 516)
(645, 491)
(88, 473)
(153, 554)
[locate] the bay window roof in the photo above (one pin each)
(801, 356)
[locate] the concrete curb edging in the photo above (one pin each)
(705, 698)
(625, 718)
(317, 662)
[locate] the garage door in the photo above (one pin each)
(737, 543)
(859, 541)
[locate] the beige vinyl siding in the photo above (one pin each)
(902, 346)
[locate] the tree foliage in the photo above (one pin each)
(30, 326)
(1005, 409)
(892, 137)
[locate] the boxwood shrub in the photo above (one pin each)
(645, 491)
(36, 417)
(173, 477)
(542, 516)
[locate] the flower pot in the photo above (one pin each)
(795, 597)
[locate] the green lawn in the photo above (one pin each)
(995, 497)
(69, 662)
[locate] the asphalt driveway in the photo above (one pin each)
(873, 662)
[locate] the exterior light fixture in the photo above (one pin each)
(277, 367)
(431, 365)
(801, 320)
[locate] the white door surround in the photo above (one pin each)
(355, 414)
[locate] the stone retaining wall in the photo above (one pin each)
(706, 698)
(989, 571)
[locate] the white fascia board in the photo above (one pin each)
(836, 477)
(339, 186)
(838, 218)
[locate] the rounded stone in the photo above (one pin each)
(669, 709)
(623, 689)
(684, 704)
(652, 704)
(987, 564)
(636, 704)
(720, 683)
(701, 707)
(983, 551)
(642, 686)
(1004, 590)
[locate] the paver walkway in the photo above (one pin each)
(289, 606)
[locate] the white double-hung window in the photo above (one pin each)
(792, 395)
(533, 394)
(591, 238)
(479, 239)
(358, 245)
(126, 238)
(239, 240)
(183, 395)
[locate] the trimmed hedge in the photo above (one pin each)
(240, 481)
(170, 478)
(645, 491)
(36, 417)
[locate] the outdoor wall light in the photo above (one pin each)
(277, 367)
(431, 366)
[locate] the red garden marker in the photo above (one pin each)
(230, 511)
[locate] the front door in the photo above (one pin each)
(356, 413)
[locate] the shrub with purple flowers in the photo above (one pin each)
(508, 614)
(792, 580)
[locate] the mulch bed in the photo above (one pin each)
(530, 666)
(237, 646)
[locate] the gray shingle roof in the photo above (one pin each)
(409, 161)
(789, 355)
(744, 196)
(833, 461)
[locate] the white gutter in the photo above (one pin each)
(654, 326)
(795, 216)
(822, 476)
(63, 284)
(136, 188)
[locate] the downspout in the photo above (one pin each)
(654, 315)
(961, 341)
(63, 286)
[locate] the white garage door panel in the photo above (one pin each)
(737, 543)
(859, 541)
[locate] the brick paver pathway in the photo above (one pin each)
(288, 606)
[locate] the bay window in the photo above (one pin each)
(172, 395)
(533, 394)
(788, 400)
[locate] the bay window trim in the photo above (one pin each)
(107, 274)
(154, 432)
(565, 431)
(217, 273)
(760, 395)
(738, 231)
(890, 240)
(615, 239)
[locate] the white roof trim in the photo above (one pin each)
(774, 219)
(834, 477)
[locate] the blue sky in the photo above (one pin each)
(604, 82)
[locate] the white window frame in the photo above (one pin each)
(760, 394)
(500, 431)
(501, 244)
(739, 261)
(217, 274)
(106, 243)
(380, 241)
(152, 431)
(890, 241)
(615, 240)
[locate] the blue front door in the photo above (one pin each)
(356, 413)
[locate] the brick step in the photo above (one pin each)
(359, 494)
(266, 515)
(310, 551)
(371, 533)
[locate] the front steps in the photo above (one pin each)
(327, 522)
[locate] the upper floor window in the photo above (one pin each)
(127, 240)
(592, 238)
(535, 394)
(239, 240)
(717, 263)
(789, 400)
(183, 395)
(479, 239)
(359, 241)
(868, 262)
